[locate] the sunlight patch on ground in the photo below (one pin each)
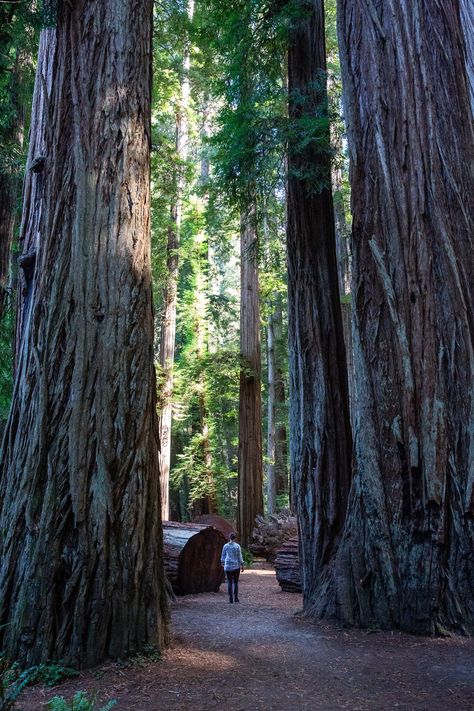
(260, 572)
(207, 661)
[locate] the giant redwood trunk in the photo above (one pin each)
(406, 559)
(81, 574)
(250, 464)
(320, 437)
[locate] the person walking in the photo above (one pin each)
(233, 563)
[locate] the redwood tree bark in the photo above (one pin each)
(207, 504)
(277, 445)
(281, 410)
(34, 183)
(320, 437)
(467, 21)
(250, 462)
(81, 574)
(407, 557)
(271, 417)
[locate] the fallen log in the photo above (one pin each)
(222, 525)
(192, 555)
(270, 533)
(287, 566)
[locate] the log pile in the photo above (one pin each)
(270, 533)
(287, 566)
(192, 555)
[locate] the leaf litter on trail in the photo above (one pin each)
(274, 660)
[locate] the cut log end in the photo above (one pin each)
(287, 567)
(192, 554)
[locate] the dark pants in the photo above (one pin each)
(233, 584)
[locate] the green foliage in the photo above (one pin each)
(165, 164)
(13, 679)
(148, 654)
(239, 124)
(80, 702)
(6, 360)
(282, 502)
(49, 674)
(206, 420)
(249, 41)
(248, 558)
(47, 12)
(11, 685)
(19, 31)
(248, 86)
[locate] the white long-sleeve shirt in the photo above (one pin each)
(231, 557)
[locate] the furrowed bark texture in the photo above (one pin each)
(407, 557)
(81, 574)
(250, 464)
(320, 437)
(34, 181)
(467, 21)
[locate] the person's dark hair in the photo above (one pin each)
(232, 536)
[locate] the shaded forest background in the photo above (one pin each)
(227, 144)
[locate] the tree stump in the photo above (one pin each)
(287, 566)
(192, 555)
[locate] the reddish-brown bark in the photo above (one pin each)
(32, 206)
(250, 464)
(81, 574)
(406, 559)
(320, 437)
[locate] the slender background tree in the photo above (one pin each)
(320, 436)
(18, 42)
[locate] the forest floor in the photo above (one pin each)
(258, 656)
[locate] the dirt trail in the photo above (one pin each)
(256, 656)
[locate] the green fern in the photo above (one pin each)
(80, 702)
